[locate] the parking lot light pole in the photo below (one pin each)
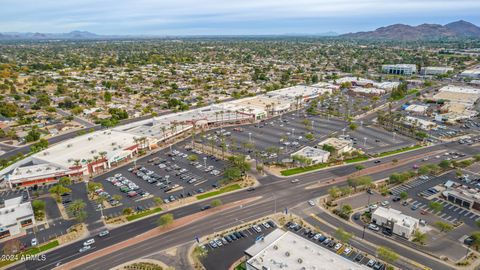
(249, 136)
(343, 132)
(364, 141)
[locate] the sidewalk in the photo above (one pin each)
(181, 222)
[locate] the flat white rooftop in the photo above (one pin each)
(13, 210)
(290, 251)
(85, 147)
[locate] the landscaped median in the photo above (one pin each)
(27, 254)
(293, 171)
(393, 152)
(298, 170)
(144, 213)
(219, 191)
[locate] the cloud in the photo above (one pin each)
(212, 16)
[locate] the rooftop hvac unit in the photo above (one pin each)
(287, 254)
(300, 260)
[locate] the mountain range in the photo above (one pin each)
(41, 36)
(401, 32)
(455, 30)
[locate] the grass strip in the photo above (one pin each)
(219, 191)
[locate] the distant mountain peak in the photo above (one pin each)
(76, 34)
(425, 31)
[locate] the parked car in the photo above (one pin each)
(373, 227)
(34, 242)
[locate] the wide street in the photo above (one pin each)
(276, 195)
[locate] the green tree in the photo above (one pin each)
(443, 226)
(76, 210)
(419, 237)
(476, 239)
(127, 211)
(445, 164)
(65, 181)
(387, 254)
(117, 197)
(353, 126)
(107, 96)
(334, 192)
(192, 157)
(158, 201)
(435, 206)
(58, 190)
(342, 235)
(216, 203)
(33, 135)
(165, 220)
(38, 207)
(403, 195)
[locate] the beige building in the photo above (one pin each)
(340, 145)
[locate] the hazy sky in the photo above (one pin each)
(199, 17)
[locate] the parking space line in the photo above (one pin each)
(463, 210)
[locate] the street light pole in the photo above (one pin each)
(249, 136)
(364, 141)
(364, 226)
(275, 203)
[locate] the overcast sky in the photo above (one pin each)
(204, 17)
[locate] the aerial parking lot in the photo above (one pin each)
(170, 176)
(278, 138)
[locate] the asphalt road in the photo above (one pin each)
(277, 194)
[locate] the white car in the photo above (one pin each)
(295, 180)
(85, 248)
(266, 225)
(385, 203)
(34, 242)
(317, 236)
(373, 227)
(373, 207)
(257, 228)
(89, 242)
(312, 203)
(338, 246)
(347, 251)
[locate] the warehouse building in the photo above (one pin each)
(15, 215)
(395, 221)
(435, 70)
(471, 73)
(400, 69)
(458, 94)
(286, 250)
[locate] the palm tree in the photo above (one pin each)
(163, 128)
